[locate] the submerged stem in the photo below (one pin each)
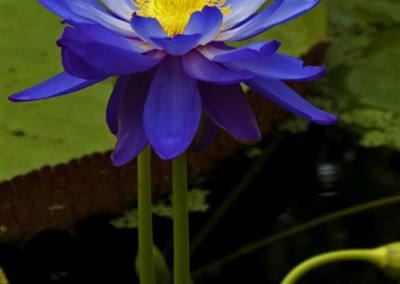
(181, 221)
(236, 192)
(145, 226)
(255, 246)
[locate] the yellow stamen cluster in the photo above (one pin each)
(174, 15)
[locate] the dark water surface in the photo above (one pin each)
(309, 175)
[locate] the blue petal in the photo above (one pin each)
(122, 8)
(219, 52)
(179, 44)
(285, 97)
(200, 68)
(102, 35)
(207, 23)
(60, 84)
(87, 57)
(173, 109)
(131, 138)
(280, 67)
(114, 103)
(277, 13)
(150, 30)
(228, 107)
(88, 11)
(205, 135)
(240, 10)
(147, 28)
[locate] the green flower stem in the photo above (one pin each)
(145, 226)
(181, 221)
(376, 256)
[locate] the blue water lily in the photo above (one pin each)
(173, 67)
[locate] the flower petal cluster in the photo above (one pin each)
(174, 67)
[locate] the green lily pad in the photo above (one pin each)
(376, 78)
(48, 132)
(364, 71)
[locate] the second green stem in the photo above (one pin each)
(181, 221)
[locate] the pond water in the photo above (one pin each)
(308, 175)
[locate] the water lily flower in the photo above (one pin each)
(174, 66)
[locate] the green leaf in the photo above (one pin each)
(3, 277)
(48, 132)
(161, 270)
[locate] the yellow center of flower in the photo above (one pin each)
(174, 15)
